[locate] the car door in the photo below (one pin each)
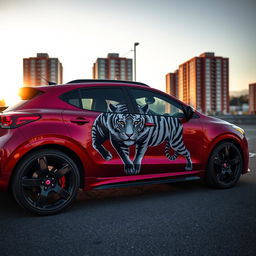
(90, 117)
(169, 142)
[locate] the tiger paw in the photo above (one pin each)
(188, 167)
(107, 156)
(129, 169)
(137, 168)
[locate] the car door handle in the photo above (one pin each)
(79, 120)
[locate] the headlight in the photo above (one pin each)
(239, 129)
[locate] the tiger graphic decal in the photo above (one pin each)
(142, 130)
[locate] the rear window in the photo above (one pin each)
(26, 94)
(95, 99)
(73, 98)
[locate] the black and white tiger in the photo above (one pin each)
(143, 130)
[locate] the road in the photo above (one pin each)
(178, 219)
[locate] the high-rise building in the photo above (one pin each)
(113, 68)
(172, 84)
(252, 98)
(203, 82)
(38, 70)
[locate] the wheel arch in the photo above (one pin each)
(61, 148)
(220, 141)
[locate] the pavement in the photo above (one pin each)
(169, 219)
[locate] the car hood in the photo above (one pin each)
(211, 119)
(217, 120)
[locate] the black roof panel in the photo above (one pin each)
(79, 81)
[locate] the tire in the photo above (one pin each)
(224, 166)
(45, 182)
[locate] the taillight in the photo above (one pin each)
(16, 120)
(5, 121)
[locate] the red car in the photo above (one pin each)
(95, 134)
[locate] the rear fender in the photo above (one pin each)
(40, 142)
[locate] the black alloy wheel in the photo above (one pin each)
(46, 182)
(224, 166)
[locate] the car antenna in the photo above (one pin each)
(49, 82)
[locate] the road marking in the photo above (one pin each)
(252, 154)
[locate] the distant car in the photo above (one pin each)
(94, 134)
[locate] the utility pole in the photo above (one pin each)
(135, 44)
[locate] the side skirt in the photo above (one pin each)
(146, 182)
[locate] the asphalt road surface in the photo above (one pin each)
(179, 219)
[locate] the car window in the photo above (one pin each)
(157, 103)
(72, 98)
(96, 99)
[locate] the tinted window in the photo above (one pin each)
(73, 98)
(158, 104)
(95, 99)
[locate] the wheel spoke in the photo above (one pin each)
(28, 182)
(217, 160)
(63, 171)
(226, 150)
(219, 176)
(64, 193)
(231, 175)
(61, 192)
(234, 161)
(40, 202)
(42, 161)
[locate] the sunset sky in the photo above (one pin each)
(169, 31)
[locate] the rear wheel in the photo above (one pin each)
(224, 166)
(46, 182)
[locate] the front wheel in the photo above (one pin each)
(224, 166)
(46, 182)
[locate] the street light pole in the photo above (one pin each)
(135, 44)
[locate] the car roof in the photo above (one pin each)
(57, 90)
(95, 81)
(88, 83)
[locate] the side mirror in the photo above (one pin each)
(188, 112)
(150, 100)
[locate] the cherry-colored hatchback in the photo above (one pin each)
(95, 134)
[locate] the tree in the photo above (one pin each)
(239, 101)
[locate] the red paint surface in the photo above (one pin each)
(55, 129)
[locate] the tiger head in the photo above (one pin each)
(126, 127)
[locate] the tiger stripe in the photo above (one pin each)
(166, 129)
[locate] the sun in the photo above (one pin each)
(10, 95)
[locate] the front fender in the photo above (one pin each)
(239, 141)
